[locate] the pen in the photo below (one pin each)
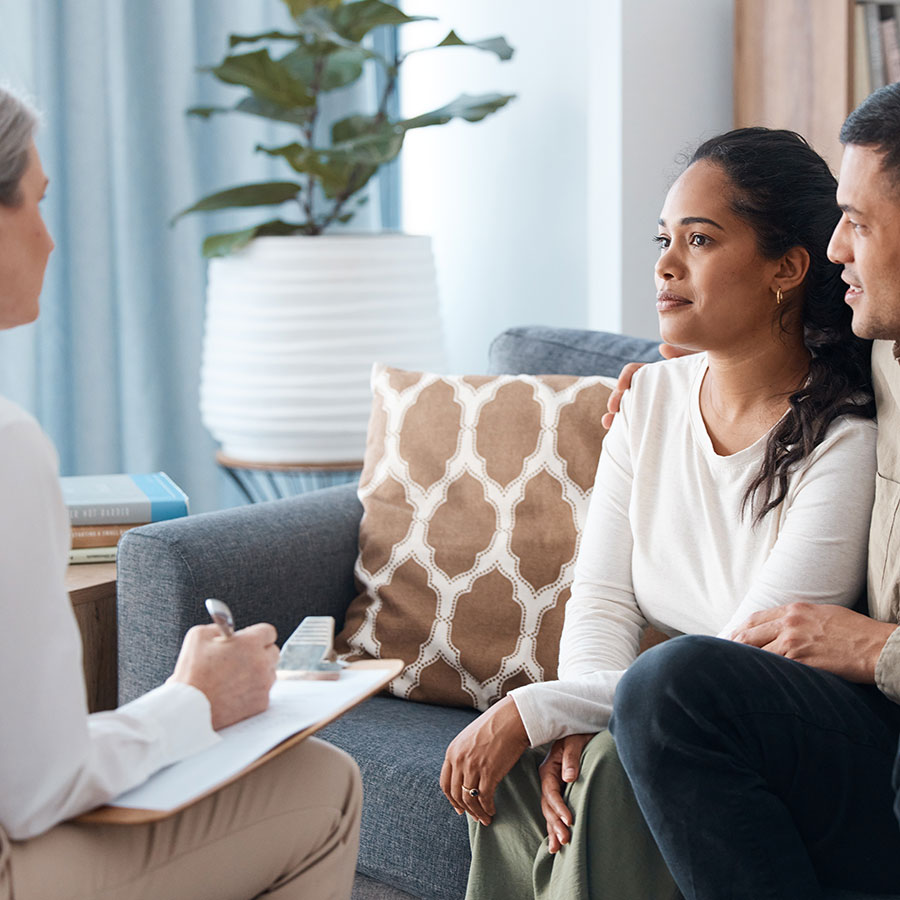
(221, 616)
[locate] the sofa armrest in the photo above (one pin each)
(275, 562)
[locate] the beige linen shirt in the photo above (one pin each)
(883, 579)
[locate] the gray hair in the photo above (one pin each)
(18, 122)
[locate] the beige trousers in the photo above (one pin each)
(286, 831)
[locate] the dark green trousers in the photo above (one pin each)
(611, 854)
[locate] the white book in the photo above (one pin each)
(876, 56)
(891, 49)
(862, 76)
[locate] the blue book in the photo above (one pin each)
(123, 499)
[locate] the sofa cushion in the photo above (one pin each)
(474, 490)
(411, 837)
(538, 349)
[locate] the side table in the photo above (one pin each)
(259, 482)
(92, 592)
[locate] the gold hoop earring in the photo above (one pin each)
(779, 296)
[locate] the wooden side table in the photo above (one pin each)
(92, 591)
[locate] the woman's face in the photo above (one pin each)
(25, 246)
(714, 288)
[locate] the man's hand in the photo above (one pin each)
(480, 755)
(235, 673)
(667, 351)
(560, 767)
(821, 635)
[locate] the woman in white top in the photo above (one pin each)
(733, 480)
(287, 830)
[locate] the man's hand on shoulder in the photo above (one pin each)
(236, 674)
(821, 635)
(623, 383)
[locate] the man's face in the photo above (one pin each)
(867, 242)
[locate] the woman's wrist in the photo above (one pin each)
(510, 729)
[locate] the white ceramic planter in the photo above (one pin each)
(293, 325)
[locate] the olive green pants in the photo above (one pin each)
(611, 854)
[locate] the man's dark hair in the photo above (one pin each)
(875, 123)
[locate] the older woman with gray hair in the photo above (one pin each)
(287, 830)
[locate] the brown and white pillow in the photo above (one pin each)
(475, 491)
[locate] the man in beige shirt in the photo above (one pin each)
(769, 774)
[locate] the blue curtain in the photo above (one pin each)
(111, 369)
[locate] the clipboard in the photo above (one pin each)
(126, 815)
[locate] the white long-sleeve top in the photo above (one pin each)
(665, 543)
(56, 760)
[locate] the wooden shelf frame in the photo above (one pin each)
(793, 68)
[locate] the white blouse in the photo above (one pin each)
(56, 760)
(665, 542)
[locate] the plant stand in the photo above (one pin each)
(259, 482)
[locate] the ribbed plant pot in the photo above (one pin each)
(293, 325)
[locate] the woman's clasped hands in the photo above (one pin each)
(561, 766)
(479, 756)
(482, 754)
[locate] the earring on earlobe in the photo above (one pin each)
(779, 296)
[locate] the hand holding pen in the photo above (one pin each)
(234, 669)
(221, 615)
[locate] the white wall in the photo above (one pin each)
(543, 213)
(676, 89)
(503, 198)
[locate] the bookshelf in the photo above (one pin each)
(805, 64)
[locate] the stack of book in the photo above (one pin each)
(877, 50)
(103, 507)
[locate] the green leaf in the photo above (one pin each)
(341, 65)
(298, 115)
(231, 241)
(371, 149)
(298, 7)
(228, 242)
(267, 78)
(205, 112)
(367, 139)
(360, 145)
(465, 106)
(352, 127)
(318, 26)
(348, 165)
(308, 161)
(264, 193)
(497, 45)
(334, 173)
(355, 20)
(235, 39)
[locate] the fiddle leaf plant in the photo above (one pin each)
(286, 78)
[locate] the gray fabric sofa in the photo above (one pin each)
(282, 560)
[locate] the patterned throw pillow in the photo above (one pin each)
(475, 491)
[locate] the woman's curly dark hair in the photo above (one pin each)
(785, 191)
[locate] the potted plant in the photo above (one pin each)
(295, 315)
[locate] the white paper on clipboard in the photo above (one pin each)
(294, 706)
